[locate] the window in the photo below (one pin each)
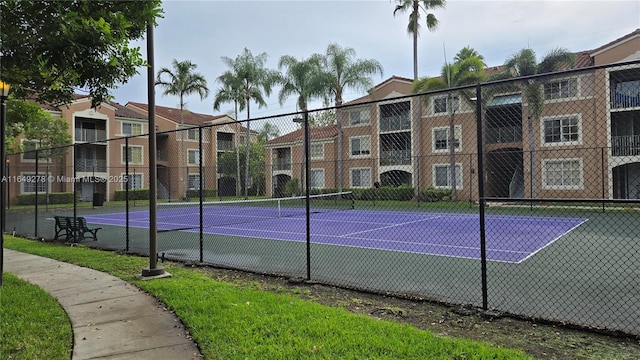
(440, 138)
(134, 182)
(133, 154)
(29, 148)
(560, 89)
(562, 174)
(317, 179)
(361, 177)
(30, 182)
(359, 117)
(440, 104)
(193, 157)
(360, 146)
(193, 181)
(564, 129)
(193, 134)
(130, 129)
(317, 151)
(442, 176)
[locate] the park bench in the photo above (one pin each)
(74, 228)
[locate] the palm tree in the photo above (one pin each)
(524, 64)
(344, 71)
(182, 81)
(467, 69)
(414, 21)
(231, 91)
(268, 132)
(256, 82)
(303, 78)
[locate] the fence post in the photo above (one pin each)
(75, 196)
(602, 176)
(201, 182)
(126, 193)
(481, 199)
(36, 182)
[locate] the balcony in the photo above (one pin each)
(507, 134)
(91, 165)
(224, 145)
(624, 101)
(395, 157)
(625, 145)
(90, 135)
(162, 155)
(395, 123)
(282, 164)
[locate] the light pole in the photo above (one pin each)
(4, 93)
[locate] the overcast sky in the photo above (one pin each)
(204, 31)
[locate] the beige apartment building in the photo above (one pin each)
(586, 142)
(101, 152)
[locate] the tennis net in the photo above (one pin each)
(187, 215)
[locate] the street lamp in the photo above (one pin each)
(4, 93)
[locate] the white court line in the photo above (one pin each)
(551, 242)
(387, 227)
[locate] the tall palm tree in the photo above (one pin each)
(522, 64)
(182, 81)
(345, 71)
(303, 78)
(414, 6)
(231, 91)
(257, 82)
(467, 69)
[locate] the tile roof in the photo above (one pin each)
(315, 133)
(125, 112)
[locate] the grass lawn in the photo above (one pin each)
(239, 321)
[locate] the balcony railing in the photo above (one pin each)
(395, 157)
(625, 145)
(91, 165)
(282, 164)
(224, 145)
(90, 135)
(624, 101)
(507, 134)
(395, 123)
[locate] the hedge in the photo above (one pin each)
(432, 195)
(208, 193)
(137, 194)
(54, 198)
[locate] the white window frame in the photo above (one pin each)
(123, 153)
(317, 186)
(457, 136)
(31, 152)
(363, 117)
(543, 137)
(189, 181)
(193, 134)
(319, 154)
(351, 177)
(359, 154)
(455, 101)
(558, 95)
(459, 176)
(196, 160)
(132, 125)
(132, 183)
(29, 179)
(545, 175)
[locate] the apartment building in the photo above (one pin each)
(108, 137)
(585, 144)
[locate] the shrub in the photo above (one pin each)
(207, 193)
(137, 194)
(432, 195)
(54, 198)
(292, 188)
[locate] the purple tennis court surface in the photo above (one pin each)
(508, 238)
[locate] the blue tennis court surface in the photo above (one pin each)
(510, 239)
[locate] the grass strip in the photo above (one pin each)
(235, 322)
(33, 325)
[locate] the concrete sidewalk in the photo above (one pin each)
(111, 319)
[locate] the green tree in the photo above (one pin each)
(29, 121)
(413, 28)
(467, 69)
(257, 82)
(524, 64)
(231, 91)
(227, 165)
(323, 117)
(50, 48)
(303, 78)
(268, 132)
(182, 81)
(344, 72)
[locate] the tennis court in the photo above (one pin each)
(511, 239)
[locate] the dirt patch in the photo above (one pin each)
(543, 341)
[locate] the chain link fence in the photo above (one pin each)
(519, 196)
